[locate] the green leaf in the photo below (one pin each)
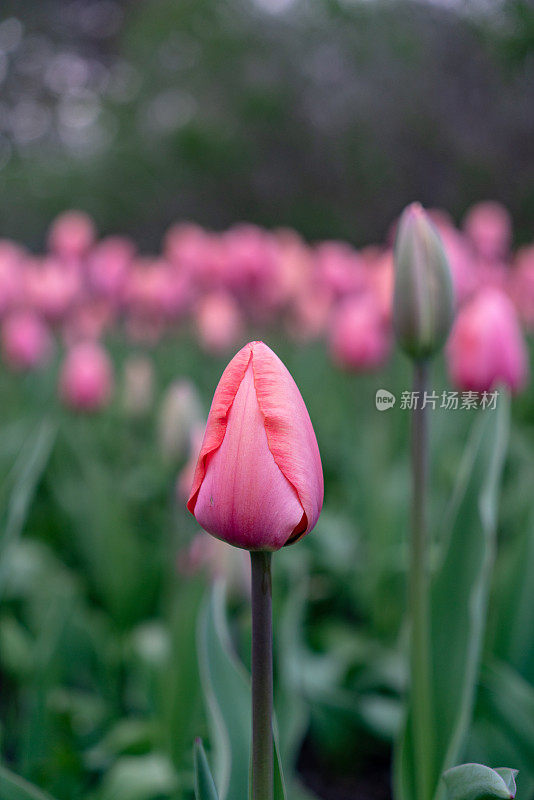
(279, 781)
(459, 596)
(226, 688)
(23, 480)
(509, 700)
(13, 787)
(204, 785)
(139, 778)
(508, 775)
(477, 782)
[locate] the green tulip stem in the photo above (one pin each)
(419, 588)
(262, 677)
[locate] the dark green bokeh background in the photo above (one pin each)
(324, 115)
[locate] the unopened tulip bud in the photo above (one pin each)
(423, 296)
(258, 482)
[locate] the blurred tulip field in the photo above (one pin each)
(125, 629)
(109, 363)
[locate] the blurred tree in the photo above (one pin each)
(328, 116)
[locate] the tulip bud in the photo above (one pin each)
(258, 483)
(423, 295)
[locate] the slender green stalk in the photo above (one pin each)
(420, 657)
(262, 677)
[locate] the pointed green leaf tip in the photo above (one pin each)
(423, 301)
(204, 784)
(477, 782)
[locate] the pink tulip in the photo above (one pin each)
(88, 321)
(11, 260)
(86, 380)
(309, 313)
(489, 228)
(359, 337)
(26, 341)
(51, 287)
(522, 285)
(258, 482)
(486, 346)
(340, 270)
(252, 267)
(71, 235)
(155, 290)
(109, 263)
(196, 254)
(219, 322)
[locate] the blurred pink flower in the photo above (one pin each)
(521, 285)
(486, 345)
(295, 264)
(251, 267)
(464, 266)
(488, 227)
(309, 313)
(379, 279)
(339, 268)
(88, 321)
(51, 287)
(195, 253)
(359, 338)
(71, 235)
(155, 290)
(86, 379)
(108, 266)
(219, 322)
(11, 260)
(26, 341)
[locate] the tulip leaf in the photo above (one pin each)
(508, 775)
(477, 782)
(143, 777)
(13, 787)
(459, 596)
(279, 782)
(226, 688)
(509, 700)
(23, 480)
(204, 783)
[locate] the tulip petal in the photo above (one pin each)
(244, 498)
(218, 416)
(289, 431)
